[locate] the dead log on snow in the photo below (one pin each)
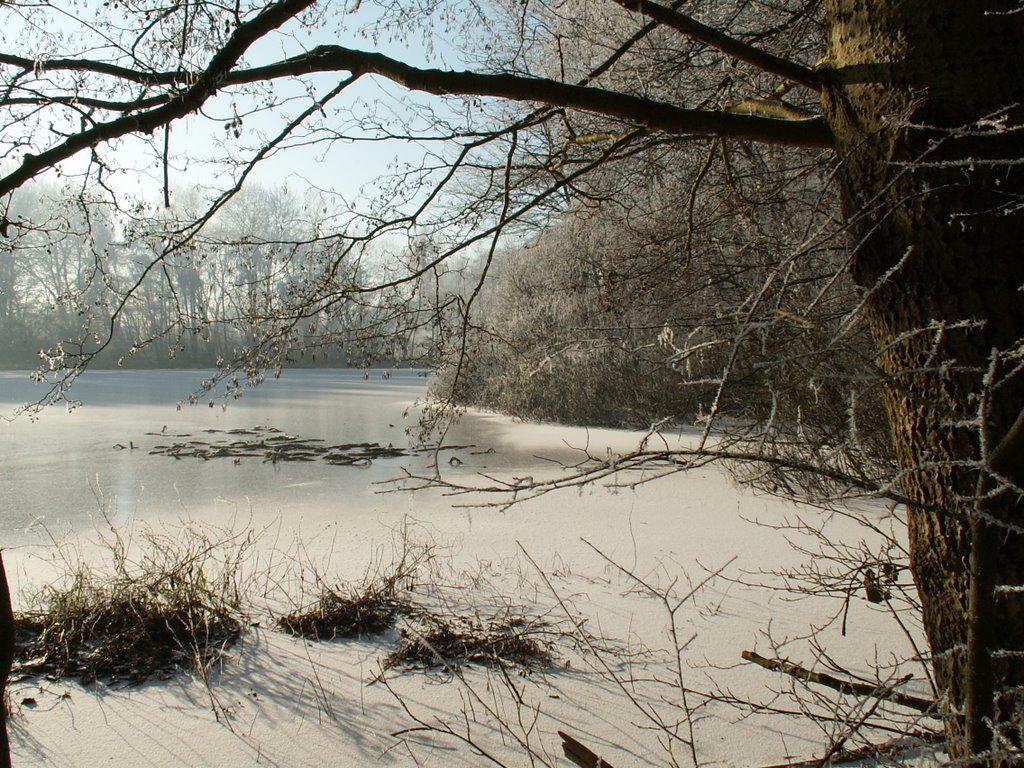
(851, 687)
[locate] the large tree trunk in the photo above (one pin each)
(915, 86)
(7, 638)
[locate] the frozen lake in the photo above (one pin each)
(571, 552)
(65, 472)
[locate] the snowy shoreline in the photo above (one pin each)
(280, 700)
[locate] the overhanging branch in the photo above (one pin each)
(212, 79)
(656, 115)
(730, 46)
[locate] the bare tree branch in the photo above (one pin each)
(657, 115)
(651, 113)
(140, 76)
(205, 85)
(728, 45)
(855, 687)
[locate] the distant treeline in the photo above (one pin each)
(81, 284)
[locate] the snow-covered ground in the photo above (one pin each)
(611, 571)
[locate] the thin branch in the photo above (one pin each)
(592, 470)
(140, 76)
(730, 46)
(886, 749)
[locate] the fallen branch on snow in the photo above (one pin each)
(854, 687)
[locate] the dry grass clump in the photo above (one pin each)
(177, 607)
(451, 642)
(370, 608)
(359, 613)
(439, 632)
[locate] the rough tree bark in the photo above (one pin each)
(925, 183)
